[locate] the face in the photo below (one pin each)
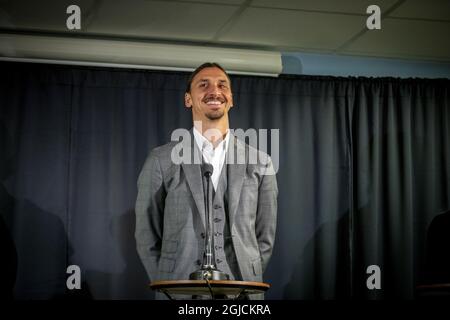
(210, 96)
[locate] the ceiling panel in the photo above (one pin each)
(343, 6)
(282, 28)
(420, 9)
(41, 15)
(228, 2)
(405, 39)
(162, 19)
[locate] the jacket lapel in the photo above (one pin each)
(192, 172)
(193, 176)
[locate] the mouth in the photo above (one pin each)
(214, 103)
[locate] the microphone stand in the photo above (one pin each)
(209, 270)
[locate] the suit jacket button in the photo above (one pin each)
(203, 235)
(216, 206)
(198, 262)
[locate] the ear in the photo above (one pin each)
(231, 101)
(187, 100)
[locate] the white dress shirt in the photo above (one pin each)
(214, 156)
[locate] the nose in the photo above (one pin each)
(214, 90)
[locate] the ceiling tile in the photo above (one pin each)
(281, 28)
(226, 2)
(419, 9)
(39, 15)
(162, 19)
(405, 39)
(341, 6)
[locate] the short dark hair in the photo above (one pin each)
(200, 68)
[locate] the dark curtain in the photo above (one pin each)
(364, 167)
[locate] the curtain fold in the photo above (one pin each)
(364, 167)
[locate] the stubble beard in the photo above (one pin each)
(215, 115)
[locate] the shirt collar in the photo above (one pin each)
(202, 142)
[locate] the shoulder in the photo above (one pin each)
(159, 157)
(163, 152)
(255, 158)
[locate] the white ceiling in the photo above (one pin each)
(411, 29)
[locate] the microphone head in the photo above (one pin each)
(207, 169)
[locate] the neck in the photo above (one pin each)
(210, 129)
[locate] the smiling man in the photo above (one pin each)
(170, 210)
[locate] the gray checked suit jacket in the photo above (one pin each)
(170, 213)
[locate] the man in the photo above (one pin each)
(170, 210)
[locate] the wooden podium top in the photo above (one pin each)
(430, 291)
(201, 287)
(435, 286)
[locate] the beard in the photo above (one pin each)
(215, 115)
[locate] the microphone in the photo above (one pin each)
(209, 259)
(207, 170)
(209, 269)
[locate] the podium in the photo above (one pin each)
(215, 289)
(431, 291)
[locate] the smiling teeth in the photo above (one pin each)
(214, 102)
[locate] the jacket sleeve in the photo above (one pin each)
(149, 214)
(266, 216)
